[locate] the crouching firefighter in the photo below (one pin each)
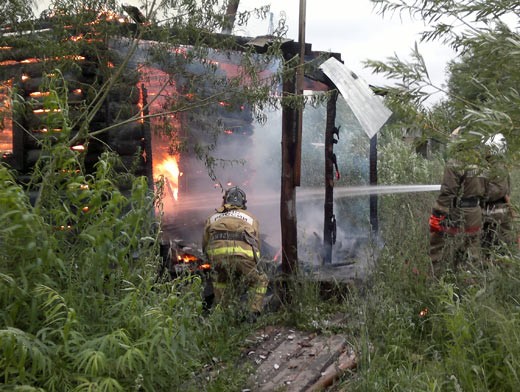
(231, 242)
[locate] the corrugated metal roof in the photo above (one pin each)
(368, 107)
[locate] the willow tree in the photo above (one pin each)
(482, 90)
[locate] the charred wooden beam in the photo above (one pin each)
(374, 223)
(288, 190)
(329, 220)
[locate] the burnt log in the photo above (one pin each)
(126, 147)
(31, 157)
(121, 111)
(130, 131)
(124, 93)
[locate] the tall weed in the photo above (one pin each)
(81, 307)
(421, 334)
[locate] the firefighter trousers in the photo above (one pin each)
(235, 276)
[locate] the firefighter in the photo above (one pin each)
(497, 214)
(231, 242)
(456, 218)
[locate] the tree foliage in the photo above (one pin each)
(482, 91)
(81, 305)
(15, 12)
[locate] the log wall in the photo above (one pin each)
(130, 140)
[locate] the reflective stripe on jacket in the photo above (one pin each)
(229, 251)
(242, 240)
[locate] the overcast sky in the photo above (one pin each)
(349, 27)
(354, 29)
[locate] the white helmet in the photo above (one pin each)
(456, 132)
(497, 143)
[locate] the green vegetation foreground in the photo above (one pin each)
(82, 310)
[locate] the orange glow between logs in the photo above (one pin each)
(45, 130)
(42, 111)
(79, 148)
(38, 94)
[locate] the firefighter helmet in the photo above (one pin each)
(497, 143)
(236, 197)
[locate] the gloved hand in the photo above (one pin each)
(437, 221)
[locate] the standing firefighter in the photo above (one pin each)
(456, 219)
(231, 242)
(496, 212)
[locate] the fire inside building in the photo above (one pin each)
(143, 120)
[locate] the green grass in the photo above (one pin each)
(82, 310)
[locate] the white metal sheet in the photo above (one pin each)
(368, 107)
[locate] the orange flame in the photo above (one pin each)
(169, 169)
(76, 38)
(6, 120)
(187, 258)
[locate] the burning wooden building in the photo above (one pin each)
(115, 98)
(49, 96)
(175, 112)
(161, 108)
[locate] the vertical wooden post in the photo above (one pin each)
(292, 124)
(374, 224)
(300, 74)
(288, 191)
(147, 139)
(231, 12)
(329, 179)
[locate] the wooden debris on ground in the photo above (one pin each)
(296, 361)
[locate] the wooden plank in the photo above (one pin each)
(294, 360)
(276, 370)
(324, 351)
(345, 362)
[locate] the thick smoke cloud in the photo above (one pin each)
(249, 155)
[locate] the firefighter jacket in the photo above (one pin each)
(499, 183)
(463, 190)
(497, 214)
(231, 232)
